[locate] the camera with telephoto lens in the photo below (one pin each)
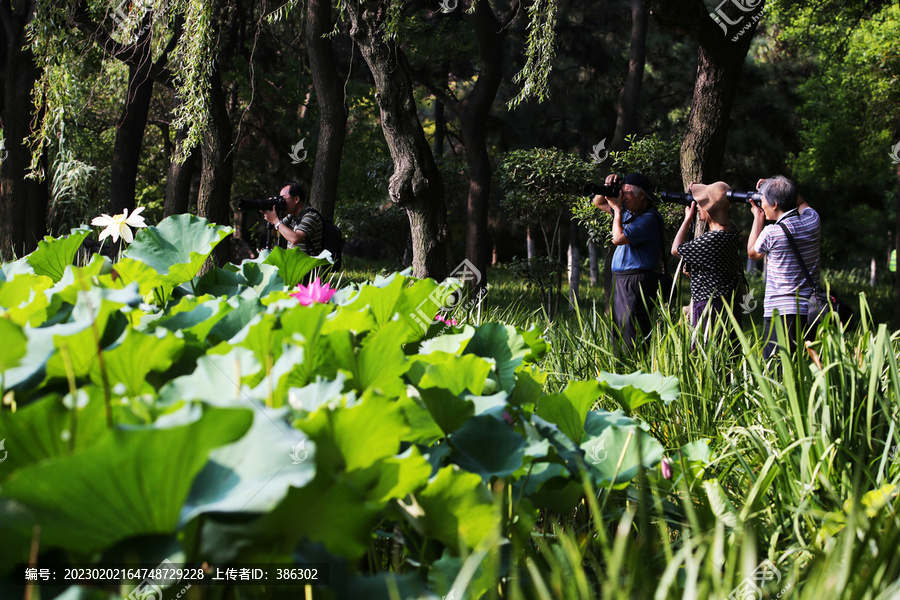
(267, 204)
(748, 197)
(610, 190)
(682, 198)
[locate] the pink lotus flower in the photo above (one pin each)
(444, 320)
(313, 293)
(666, 468)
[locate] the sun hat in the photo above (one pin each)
(714, 200)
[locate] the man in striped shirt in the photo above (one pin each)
(787, 289)
(302, 224)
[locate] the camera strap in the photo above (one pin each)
(793, 244)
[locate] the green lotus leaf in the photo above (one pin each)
(503, 344)
(46, 429)
(447, 409)
(192, 317)
(253, 474)
(218, 379)
(356, 437)
(529, 386)
(379, 364)
(423, 429)
(243, 311)
(144, 275)
(14, 345)
(455, 373)
(452, 343)
(133, 482)
(631, 446)
(24, 300)
(488, 447)
(311, 397)
(53, 255)
(177, 247)
(456, 507)
(399, 475)
(258, 278)
(569, 408)
(444, 572)
(294, 264)
(636, 389)
(131, 360)
(306, 327)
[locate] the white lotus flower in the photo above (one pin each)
(119, 224)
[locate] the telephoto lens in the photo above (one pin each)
(748, 197)
(267, 204)
(610, 190)
(682, 198)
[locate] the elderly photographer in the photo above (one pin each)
(713, 257)
(637, 233)
(787, 289)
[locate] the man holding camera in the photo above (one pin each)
(787, 288)
(637, 234)
(301, 225)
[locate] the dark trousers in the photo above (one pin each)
(633, 297)
(791, 325)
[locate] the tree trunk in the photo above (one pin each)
(628, 97)
(130, 131)
(719, 63)
(217, 169)
(473, 113)
(23, 202)
(593, 260)
(332, 109)
(440, 127)
(530, 247)
(416, 182)
(180, 178)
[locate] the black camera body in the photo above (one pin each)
(246, 204)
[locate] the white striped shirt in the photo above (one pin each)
(786, 286)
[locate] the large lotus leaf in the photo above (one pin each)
(447, 409)
(17, 524)
(494, 405)
(133, 482)
(78, 279)
(487, 446)
(99, 314)
(253, 474)
(529, 386)
(144, 275)
(53, 255)
(454, 373)
(311, 397)
(636, 389)
(452, 343)
(569, 408)
(13, 347)
(399, 475)
(400, 296)
(260, 337)
(258, 278)
(280, 378)
(348, 319)
(242, 313)
(350, 438)
(192, 317)
(455, 506)
(536, 344)
(44, 429)
(503, 344)
(551, 486)
(422, 427)
(294, 264)
(598, 420)
(218, 379)
(23, 299)
(177, 247)
(379, 364)
(304, 324)
(129, 361)
(630, 445)
(558, 444)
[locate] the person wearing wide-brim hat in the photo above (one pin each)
(713, 258)
(637, 233)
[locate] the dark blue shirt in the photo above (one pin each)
(644, 237)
